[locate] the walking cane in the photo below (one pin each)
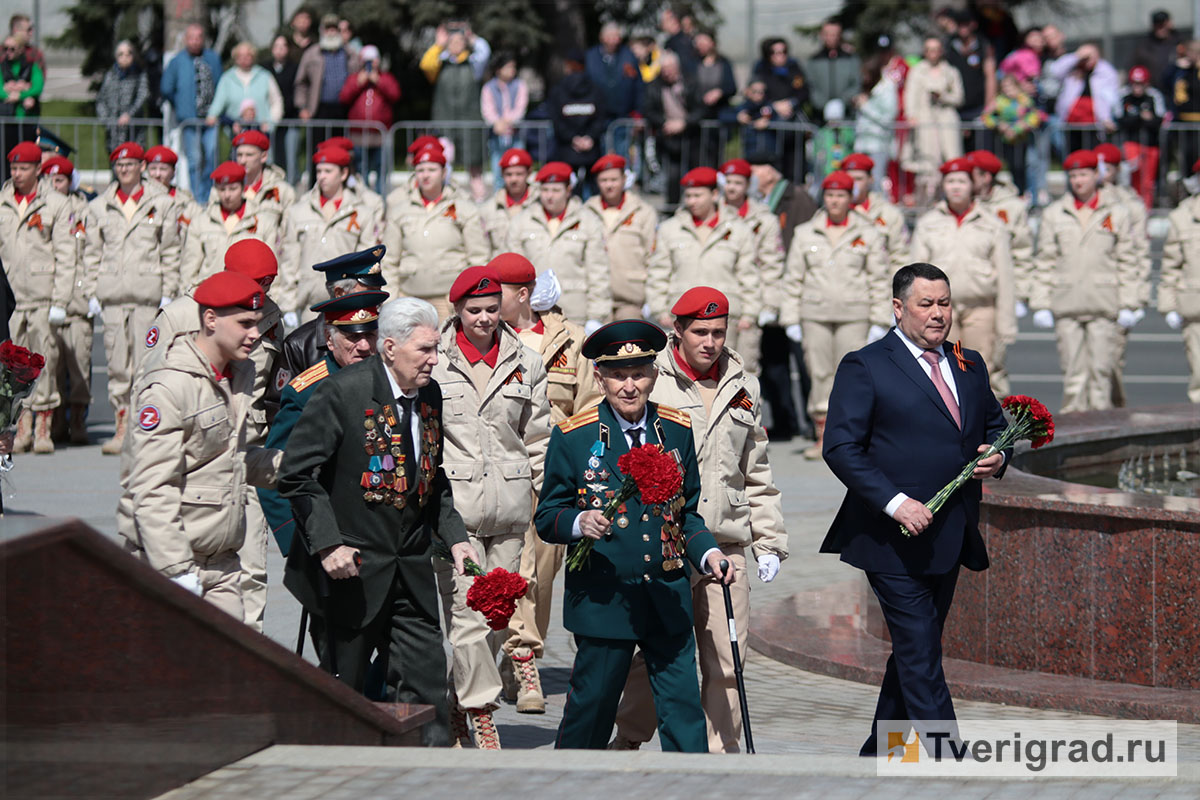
(737, 660)
(303, 630)
(326, 606)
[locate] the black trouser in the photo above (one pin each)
(778, 354)
(320, 133)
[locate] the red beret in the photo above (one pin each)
(858, 161)
(425, 141)
(1139, 75)
(162, 155)
(338, 141)
(1108, 153)
(736, 166)
(25, 153)
(433, 154)
(57, 165)
(609, 161)
(513, 268)
(253, 258)
(701, 302)
(703, 177)
(960, 164)
(332, 155)
(555, 172)
(253, 138)
(515, 157)
(838, 180)
(1081, 159)
(985, 160)
(228, 289)
(127, 150)
(475, 282)
(229, 172)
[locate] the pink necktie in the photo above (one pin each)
(935, 374)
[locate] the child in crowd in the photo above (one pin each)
(1014, 116)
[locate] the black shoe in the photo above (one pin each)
(779, 434)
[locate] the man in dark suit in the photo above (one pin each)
(906, 414)
(364, 476)
(634, 589)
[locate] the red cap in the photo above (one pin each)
(161, 154)
(1081, 159)
(736, 166)
(475, 282)
(838, 180)
(253, 258)
(985, 160)
(433, 154)
(229, 172)
(1139, 75)
(701, 302)
(609, 161)
(703, 177)
(513, 157)
(960, 164)
(422, 142)
(127, 150)
(1108, 153)
(229, 289)
(332, 155)
(338, 141)
(57, 165)
(858, 161)
(554, 172)
(25, 153)
(253, 138)
(513, 268)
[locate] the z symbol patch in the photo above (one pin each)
(148, 418)
(152, 336)
(282, 378)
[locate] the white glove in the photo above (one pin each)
(94, 308)
(1043, 318)
(768, 567)
(646, 312)
(189, 581)
(794, 333)
(164, 302)
(57, 315)
(592, 326)
(1127, 318)
(875, 333)
(766, 318)
(546, 292)
(1174, 321)
(1022, 310)
(290, 320)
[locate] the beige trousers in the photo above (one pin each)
(75, 359)
(1191, 343)
(747, 344)
(220, 578)
(540, 563)
(253, 556)
(1090, 350)
(474, 677)
(626, 311)
(31, 328)
(125, 329)
(975, 327)
(825, 345)
(636, 719)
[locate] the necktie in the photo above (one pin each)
(410, 461)
(635, 437)
(935, 374)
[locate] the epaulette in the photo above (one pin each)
(675, 415)
(310, 376)
(579, 420)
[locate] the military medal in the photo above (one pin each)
(602, 474)
(595, 502)
(369, 422)
(622, 521)
(594, 462)
(589, 474)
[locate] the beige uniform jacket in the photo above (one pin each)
(935, 137)
(724, 261)
(208, 239)
(428, 246)
(38, 248)
(1179, 286)
(847, 280)
(274, 193)
(738, 498)
(1141, 236)
(889, 223)
(496, 215)
(495, 441)
(133, 261)
(308, 238)
(976, 257)
(629, 236)
(1013, 211)
(1088, 270)
(78, 305)
(576, 252)
(188, 463)
(185, 210)
(768, 252)
(570, 384)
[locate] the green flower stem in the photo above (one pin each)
(579, 555)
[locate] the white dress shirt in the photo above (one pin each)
(415, 432)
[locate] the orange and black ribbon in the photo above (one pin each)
(963, 361)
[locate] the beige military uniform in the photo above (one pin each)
(742, 507)
(131, 264)
(37, 245)
(889, 223)
(769, 258)
(720, 257)
(975, 255)
(429, 245)
(211, 234)
(1179, 286)
(496, 424)
(274, 192)
(311, 238)
(188, 465)
(629, 234)
(1012, 210)
(574, 248)
(75, 336)
(496, 214)
(1141, 247)
(1087, 271)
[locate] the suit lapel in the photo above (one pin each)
(616, 446)
(962, 380)
(909, 366)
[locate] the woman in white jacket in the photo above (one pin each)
(874, 127)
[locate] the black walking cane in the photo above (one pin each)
(326, 606)
(303, 630)
(737, 660)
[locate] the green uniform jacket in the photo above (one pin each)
(323, 470)
(623, 591)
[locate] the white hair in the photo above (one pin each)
(668, 57)
(347, 285)
(400, 317)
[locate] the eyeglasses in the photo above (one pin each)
(779, 51)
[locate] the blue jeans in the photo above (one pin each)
(496, 147)
(194, 137)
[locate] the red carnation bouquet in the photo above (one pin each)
(493, 594)
(19, 368)
(650, 473)
(1028, 419)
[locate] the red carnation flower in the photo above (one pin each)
(657, 475)
(495, 595)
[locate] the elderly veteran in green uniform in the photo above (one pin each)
(634, 591)
(350, 325)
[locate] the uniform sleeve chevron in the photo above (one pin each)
(675, 415)
(310, 376)
(579, 420)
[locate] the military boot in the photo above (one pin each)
(24, 438)
(484, 728)
(78, 424)
(458, 727)
(813, 453)
(42, 443)
(529, 690)
(113, 446)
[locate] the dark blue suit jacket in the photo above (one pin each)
(888, 431)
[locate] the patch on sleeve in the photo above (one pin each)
(152, 336)
(148, 418)
(282, 378)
